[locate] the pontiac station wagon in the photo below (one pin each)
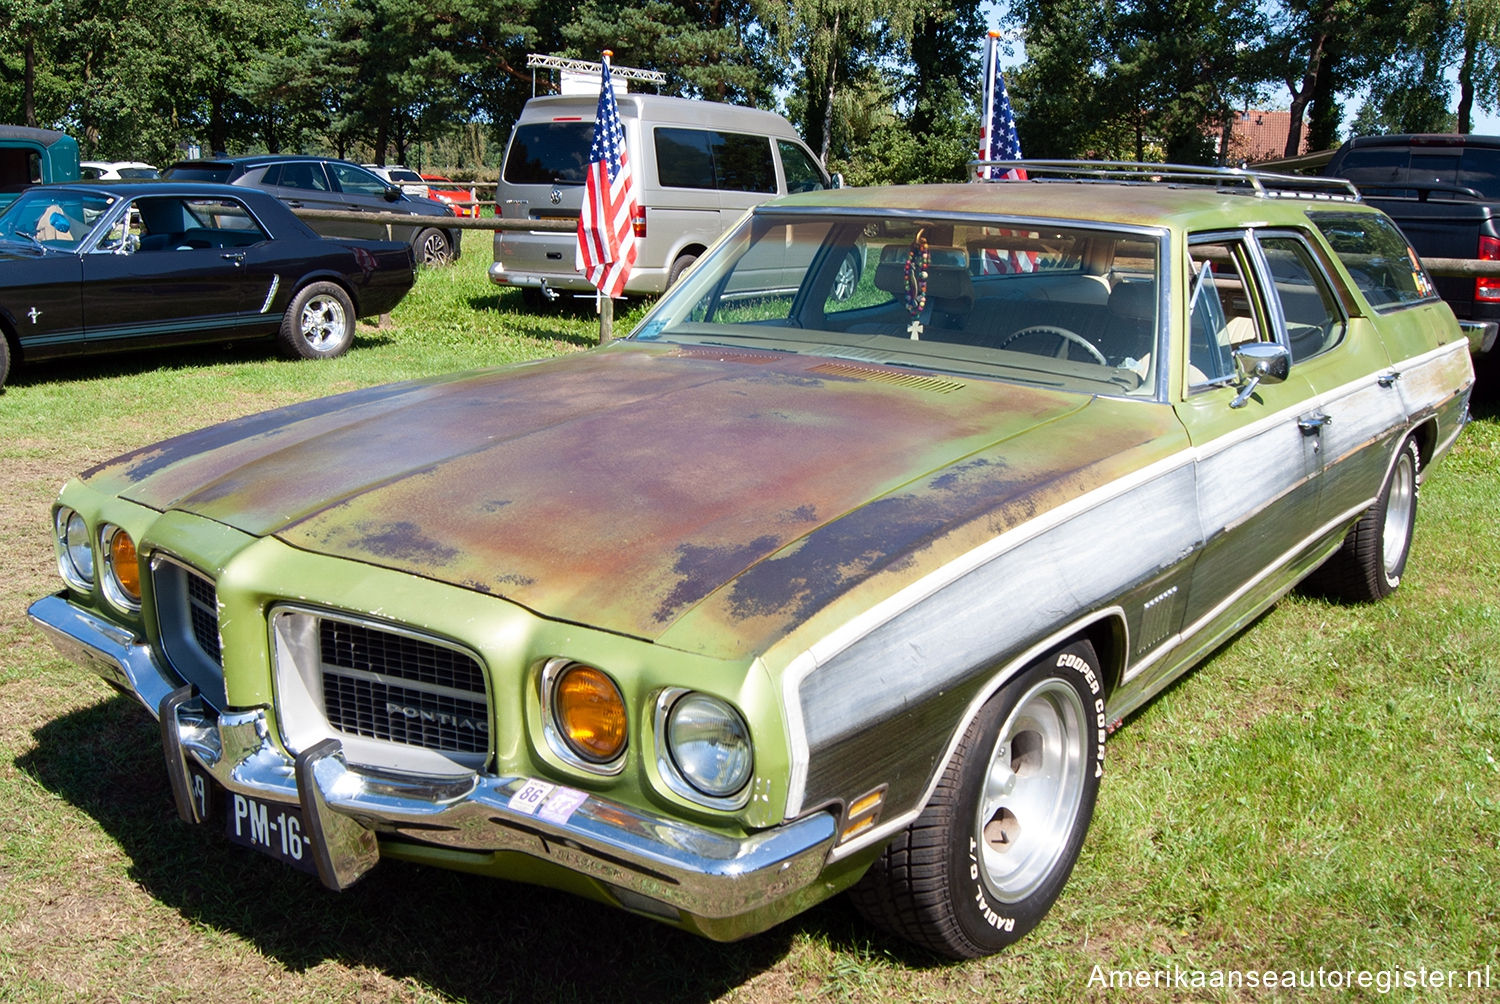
(786, 593)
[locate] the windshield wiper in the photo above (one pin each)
(33, 238)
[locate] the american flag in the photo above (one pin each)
(998, 141)
(606, 238)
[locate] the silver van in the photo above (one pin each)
(698, 166)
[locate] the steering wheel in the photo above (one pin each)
(1065, 337)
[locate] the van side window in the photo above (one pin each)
(704, 158)
(802, 174)
(683, 158)
(743, 163)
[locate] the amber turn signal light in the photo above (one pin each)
(589, 713)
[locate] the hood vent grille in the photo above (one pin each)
(883, 374)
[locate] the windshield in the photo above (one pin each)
(62, 220)
(1063, 306)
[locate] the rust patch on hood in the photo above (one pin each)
(620, 488)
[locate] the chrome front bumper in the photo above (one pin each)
(723, 887)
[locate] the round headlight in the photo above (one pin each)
(122, 570)
(710, 745)
(589, 713)
(75, 557)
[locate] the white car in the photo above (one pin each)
(112, 170)
(410, 181)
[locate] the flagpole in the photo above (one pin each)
(987, 113)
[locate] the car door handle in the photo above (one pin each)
(294, 203)
(1312, 425)
(1388, 380)
(238, 257)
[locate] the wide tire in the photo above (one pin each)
(433, 247)
(4, 360)
(1372, 559)
(992, 850)
(319, 323)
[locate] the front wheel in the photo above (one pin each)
(990, 853)
(319, 324)
(4, 359)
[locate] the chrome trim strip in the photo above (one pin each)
(271, 293)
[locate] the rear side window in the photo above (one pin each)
(549, 153)
(356, 180)
(200, 172)
(1381, 263)
(304, 174)
(708, 159)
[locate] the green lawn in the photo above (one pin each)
(1320, 799)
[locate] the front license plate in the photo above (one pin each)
(269, 827)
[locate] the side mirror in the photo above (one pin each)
(1257, 363)
(393, 193)
(836, 180)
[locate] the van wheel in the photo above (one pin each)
(681, 265)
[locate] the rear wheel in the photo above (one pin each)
(434, 247)
(991, 852)
(1372, 559)
(681, 265)
(319, 324)
(4, 359)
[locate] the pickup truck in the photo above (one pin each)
(1443, 191)
(29, 156)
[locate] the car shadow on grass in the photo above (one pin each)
(85, 369)
(461, 936)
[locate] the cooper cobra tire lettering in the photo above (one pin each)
(991, 852)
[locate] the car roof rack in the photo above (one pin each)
(1260, 184)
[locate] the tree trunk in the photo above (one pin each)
(29, 82)
(1466, 84)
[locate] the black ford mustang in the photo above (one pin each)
(90, 268)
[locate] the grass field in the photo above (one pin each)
(1320, 799)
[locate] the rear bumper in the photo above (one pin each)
(1482, 335)
(720, 886)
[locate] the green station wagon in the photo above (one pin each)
(788, 592)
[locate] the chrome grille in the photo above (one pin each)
(402, 689)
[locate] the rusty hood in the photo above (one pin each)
(617, 488)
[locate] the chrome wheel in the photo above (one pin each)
(1033, 790)
(1400, 510)
(324, 324)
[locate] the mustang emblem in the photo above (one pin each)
(33, 313)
